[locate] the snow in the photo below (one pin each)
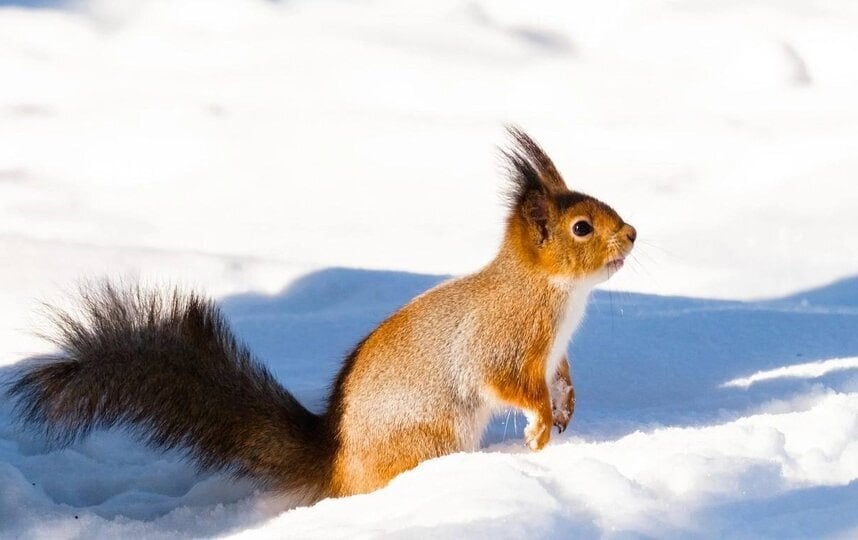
(315, 165)
(810, 370)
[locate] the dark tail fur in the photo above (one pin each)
(168, 367)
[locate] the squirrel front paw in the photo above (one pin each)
(562, 404)
(561, 419)
(536, 434)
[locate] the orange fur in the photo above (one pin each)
(424, 383)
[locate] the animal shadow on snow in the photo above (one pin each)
(638, 361)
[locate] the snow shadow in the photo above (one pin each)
(639, 361)
(54, 4)
(810, 512)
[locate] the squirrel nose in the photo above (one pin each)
(632, 234)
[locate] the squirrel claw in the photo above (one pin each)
(561, 419)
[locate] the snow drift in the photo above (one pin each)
(266, 152)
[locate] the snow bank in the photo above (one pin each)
(661, 445)
(264, 151)
(684, 481)
(810, 370)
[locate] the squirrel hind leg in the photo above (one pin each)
(372, 466)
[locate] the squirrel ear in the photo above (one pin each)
(535, 209)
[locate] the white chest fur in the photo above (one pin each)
(568, 319)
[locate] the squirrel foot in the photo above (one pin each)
(536, 434)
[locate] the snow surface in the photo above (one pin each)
(315, 164)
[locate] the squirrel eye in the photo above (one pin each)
(582, 228)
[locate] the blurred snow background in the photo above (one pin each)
(316, 163)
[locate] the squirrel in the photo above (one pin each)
(423, 384)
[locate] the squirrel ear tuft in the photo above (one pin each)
(525, 149)
(534, 180)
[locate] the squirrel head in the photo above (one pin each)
(565, 233)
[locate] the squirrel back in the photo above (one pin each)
(423, 384)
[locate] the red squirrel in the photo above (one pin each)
(423, 384)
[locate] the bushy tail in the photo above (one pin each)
(167, 366)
